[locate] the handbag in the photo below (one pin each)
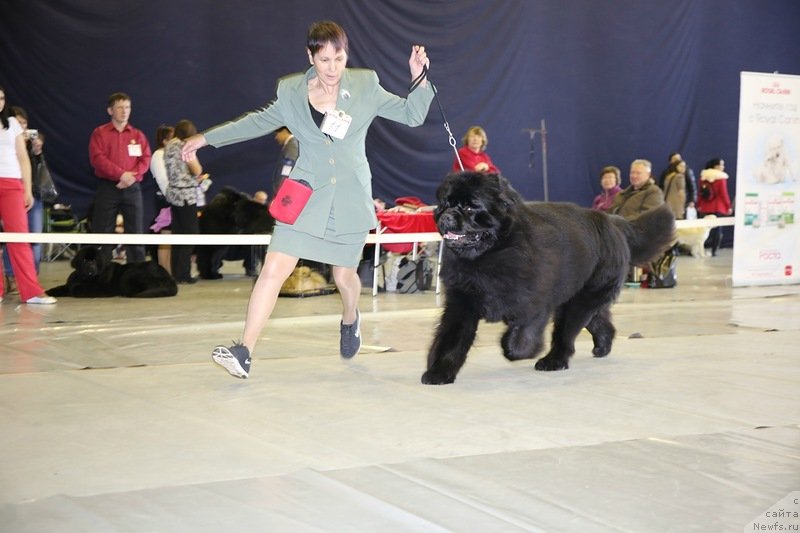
(289, 201)
(414, 276)
(663, 271)
(44, 185)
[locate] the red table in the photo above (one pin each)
(397, 222)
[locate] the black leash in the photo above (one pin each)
(451, 139)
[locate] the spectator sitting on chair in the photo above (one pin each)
(610, 178)
(641, 195)
(473, 153)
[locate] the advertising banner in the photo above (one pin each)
(766, 246)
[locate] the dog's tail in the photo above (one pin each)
(649, 234)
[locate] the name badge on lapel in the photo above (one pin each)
(134, 150)
(335, 123)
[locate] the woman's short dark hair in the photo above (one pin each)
(324, 32)
(164, 133)
(185, 129)
(712, 163)
(612, 170)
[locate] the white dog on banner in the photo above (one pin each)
(776, 167)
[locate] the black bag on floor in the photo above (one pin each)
(366, 271)
(414, 276)
(663, 271)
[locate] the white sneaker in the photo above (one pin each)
(41, 300)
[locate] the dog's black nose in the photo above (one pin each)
(447, 221)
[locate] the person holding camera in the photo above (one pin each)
(16, 197)
(329, 108)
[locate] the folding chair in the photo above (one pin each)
(61, 220)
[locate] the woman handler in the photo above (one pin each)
(333, 226)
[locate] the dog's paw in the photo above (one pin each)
(516, 356)
(437, 378)
(548, 364)
(601, 351)
(602, 345)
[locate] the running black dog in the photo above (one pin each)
(523, 263)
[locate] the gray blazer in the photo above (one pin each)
(337, 169)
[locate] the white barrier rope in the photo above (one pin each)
(170, 238)
(378, 238)
(220, 239)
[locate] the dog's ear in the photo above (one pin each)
(507, 194)
(443, 191)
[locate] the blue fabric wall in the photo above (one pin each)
(613, 80)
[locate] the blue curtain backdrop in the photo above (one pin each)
(614, 80)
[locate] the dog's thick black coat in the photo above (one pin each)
(524, 263)
(95, 276)
(229, 212)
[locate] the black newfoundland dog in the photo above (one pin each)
(523, 263)
(95, 276)
(230, 212)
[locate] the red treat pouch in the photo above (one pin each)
(289, 201)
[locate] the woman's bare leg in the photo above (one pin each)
(277, 268)
(349, 285)
(164, 254)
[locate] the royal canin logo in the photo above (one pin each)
(776, 88)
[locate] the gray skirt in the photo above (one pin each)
(343, 249)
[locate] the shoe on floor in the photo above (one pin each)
(350, 337)
(234, 359)
(41, 300)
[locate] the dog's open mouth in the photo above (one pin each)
(461, 239)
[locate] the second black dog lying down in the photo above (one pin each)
(95, 276)
(523, 263)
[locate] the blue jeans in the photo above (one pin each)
(35, 225)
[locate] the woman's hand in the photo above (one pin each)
(192, 145)
(27, 199)
(481, 167)
(418, 60)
